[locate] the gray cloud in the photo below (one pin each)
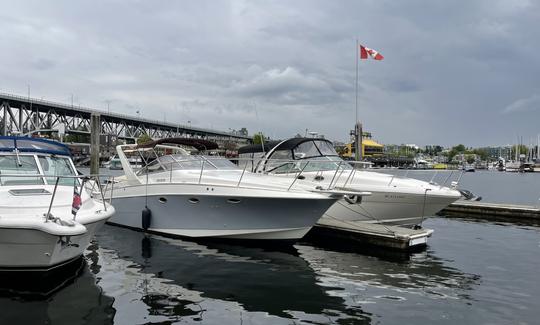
(280, 67)
(531, 103)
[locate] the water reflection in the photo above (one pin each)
(32, 284)
(180, 278)
(67, 296)
(368, 278)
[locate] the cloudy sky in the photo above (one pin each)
(454, 71)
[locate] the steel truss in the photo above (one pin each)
(19, 115)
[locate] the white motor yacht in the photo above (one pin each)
(394, 200)
(205, 196)
(47, 213)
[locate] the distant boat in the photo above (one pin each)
(514, 166)
(469, 168)
(115, 164)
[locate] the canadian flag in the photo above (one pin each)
(365, 53)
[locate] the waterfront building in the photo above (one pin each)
(370, 148)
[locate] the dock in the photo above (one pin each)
(371, 234)
(485, 210)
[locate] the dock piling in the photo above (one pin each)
(95, 131)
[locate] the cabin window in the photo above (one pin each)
(25, 165)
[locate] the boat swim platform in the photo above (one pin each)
(495, 210)
(370, 234)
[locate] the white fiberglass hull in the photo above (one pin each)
(196, 211)
(401, 209)
(22, 248)
(394, 201)
(28, 242)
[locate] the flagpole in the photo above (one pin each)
(356, 83)
(357, 137)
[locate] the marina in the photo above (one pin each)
(237, 162)
(337, 270)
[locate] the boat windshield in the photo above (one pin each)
(25, 165)
(187, 162)
(314, 164)
(57, 166)
(321, 156)
(315, 148)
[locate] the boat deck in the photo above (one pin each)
(372, 234)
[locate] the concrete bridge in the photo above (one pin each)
(19, 115)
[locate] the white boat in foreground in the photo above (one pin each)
(394, 200)
(47, 214)
(205, 196)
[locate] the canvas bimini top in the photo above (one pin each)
(25, 144)
(311, 147)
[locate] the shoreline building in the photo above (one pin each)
(370, 148)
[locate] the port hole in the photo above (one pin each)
(234, 201)
(193, 200)
(319, 178)
(162, 200)
(301, 177)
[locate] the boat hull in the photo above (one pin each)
(34, 249)
(396, 209)
(234, 217)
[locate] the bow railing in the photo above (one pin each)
(90, 183)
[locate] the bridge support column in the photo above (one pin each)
(4, 121)
(95, 132)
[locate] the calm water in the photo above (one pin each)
(471, 273)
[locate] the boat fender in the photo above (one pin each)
(146, 218)
(353, 199)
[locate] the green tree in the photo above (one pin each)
(482, 153)
(144, 139)
(456, 150)
(522, 149)
(258, 138)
